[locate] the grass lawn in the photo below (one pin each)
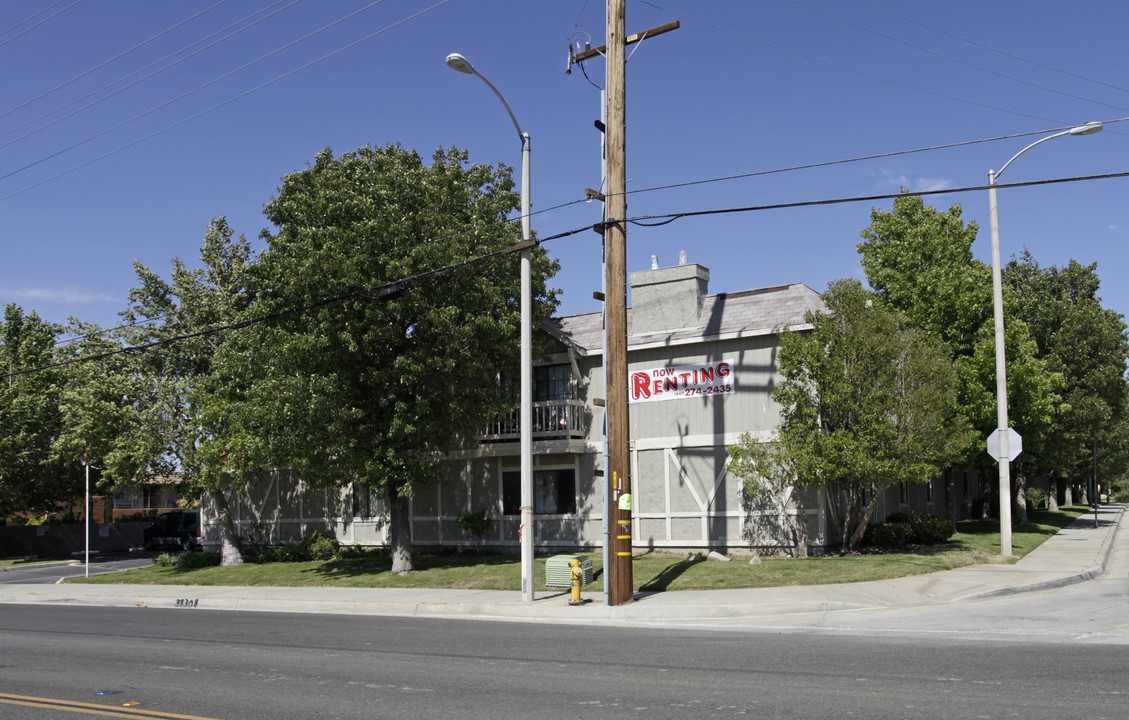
(19, 562)
(977, 541)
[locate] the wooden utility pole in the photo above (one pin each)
(618, 579)
(617, 476)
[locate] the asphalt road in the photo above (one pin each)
(51, 572)
(239, 666)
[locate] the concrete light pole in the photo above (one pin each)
(455, 61)
(1004, 451)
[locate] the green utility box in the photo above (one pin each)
(558, 569)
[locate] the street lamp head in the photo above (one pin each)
(455, 61)
(1085, 129)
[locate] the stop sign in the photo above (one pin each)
(1014, 444)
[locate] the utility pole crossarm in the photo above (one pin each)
(629, 40)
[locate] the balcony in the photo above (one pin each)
(552, 420)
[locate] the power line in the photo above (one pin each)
(195, 90)
(847, 68)
(919, 48)
(383, 291)
(210, 109)
(137, 72)
(400, 251)
(44, 20)
(878, 156)
(671, 217)
(395, 288)
(60, 86)
(992, 49)
(667, 220)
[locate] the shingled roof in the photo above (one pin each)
(724, 315)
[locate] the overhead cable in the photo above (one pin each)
(122, 54)
(213, 107)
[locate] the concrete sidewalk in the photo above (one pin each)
(1077, 553)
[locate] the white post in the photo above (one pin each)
(457, 62)
(1004, 458)
(526, 386)
(86, 512)
(1001, 375)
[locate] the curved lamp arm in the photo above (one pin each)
(455, 61)
(1086, 129)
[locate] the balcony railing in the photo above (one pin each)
(551, 419)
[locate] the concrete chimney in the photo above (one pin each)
(668, 299)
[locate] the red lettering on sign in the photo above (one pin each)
(640, 386)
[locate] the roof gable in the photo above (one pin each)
(759, 311)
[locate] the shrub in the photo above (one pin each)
(321, 546)
(196, 560)
(254, 544)
(475, 524)
(924, 528)
(164, 560)
(1035, 497)
(1119, 490)
(909, 528)
(886, 535)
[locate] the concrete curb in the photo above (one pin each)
(1072, 556)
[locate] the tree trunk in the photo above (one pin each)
(229, 547)
(1019, 514)
(400, 532)
(1052, 494)
(798, 529)
(950, 506)
(1069, 493)
(864, 520)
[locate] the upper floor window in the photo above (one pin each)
(553, 382)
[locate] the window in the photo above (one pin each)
(553, 382)
(554, 492)
(364, 502)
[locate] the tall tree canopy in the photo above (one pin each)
(182, 321)
(32, 477)
(393, 324)
(1087, 345)
(868, 402)
(920, 261)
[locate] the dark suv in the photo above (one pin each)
(176, 528)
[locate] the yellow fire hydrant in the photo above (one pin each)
(575, 573)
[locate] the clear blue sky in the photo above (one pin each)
(745, 86)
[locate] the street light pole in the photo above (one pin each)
(455, 61)
(1004, 453)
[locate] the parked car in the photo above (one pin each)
(176, 528)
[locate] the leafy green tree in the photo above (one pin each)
(775, 476)
(1087, 346)
(389, 332)
(868, 402)
(182, 322)
(920, 261)
(32, 478)
(97, 403)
